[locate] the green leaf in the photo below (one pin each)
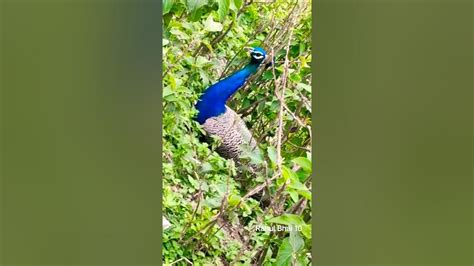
(238, 3)
(201, 61)
(293, 195)
(204, 77)
(167, 5)
(211, 25)
(295, 77)
(179, 34)
(208, 46)
(306, 230)
(285, 253)
(300, 188)
(193, 5)
(287, 173)
(221, 188)
(305, 163)
(305, 193)
(172, 81)
(196, 15)
(267, 75)
(193, 182)
(167, 91)
(206, 167)
(272, 154)
(287, 219)
(296, 241)
(303, 62)
(234, 199)
(302, 48)
(223, 9)
(302, 259)
(255, 156)
(214, 202)
(297, 185)
(303, 86)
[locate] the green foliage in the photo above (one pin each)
(213, 220)
(223, 9)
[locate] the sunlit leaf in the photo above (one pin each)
(254, 155)
(272, 154)
(223, 9)
(234, 200)
(288, 174)
(238, 3)
(297, 185)
(287, 219)
(211, 25)
(167, 91)
(293, 195)
(296, 241)
(206, 167)
(305, 193)
(303, 86)
(193, 5)
(167, 5)
(305, 163)
(285, 253)
(306, 230)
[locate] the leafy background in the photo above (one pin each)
(214, 216)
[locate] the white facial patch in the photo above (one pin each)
(257, 55)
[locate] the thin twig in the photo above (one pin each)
(199, 195)
(183, 258)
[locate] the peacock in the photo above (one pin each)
(217, 119)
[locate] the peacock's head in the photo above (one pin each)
(257, 54)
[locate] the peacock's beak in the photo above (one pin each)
(249, 49)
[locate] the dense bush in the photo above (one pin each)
(213, 216)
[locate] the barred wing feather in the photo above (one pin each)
(232, 131)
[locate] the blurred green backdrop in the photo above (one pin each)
(80, 132)
(393, 129)
(80, 120)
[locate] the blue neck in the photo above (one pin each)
(212, 102)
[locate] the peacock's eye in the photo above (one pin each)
(257, 55)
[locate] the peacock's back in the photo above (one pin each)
(232, 131)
